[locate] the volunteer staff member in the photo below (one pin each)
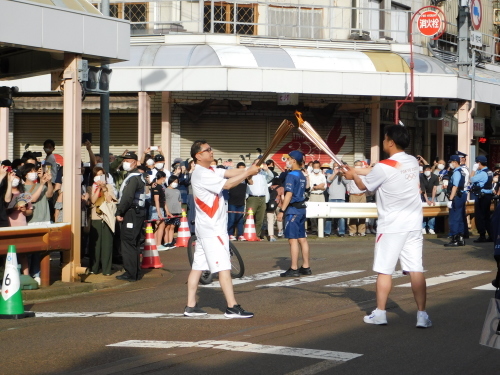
(212, 244)
(294, 208)
(131, 212)
(396, 183)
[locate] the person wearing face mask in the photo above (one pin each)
(49, 146)
(258, 195)
(174, 205)
(465, 169)
(457, 197)
(6, 178)
(293, 211)
(439, 168)
(317, 180)
(429, 183)
(158, 209)
(356, 195)
(482, 188)
(131, 213)
(271, 166)
(159, 166)
(337, 192)
(101, 231)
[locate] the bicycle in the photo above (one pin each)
(237, 265)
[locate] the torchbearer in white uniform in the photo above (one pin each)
(212, 243)
(399, 232)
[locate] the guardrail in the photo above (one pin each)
(330, 210)
(37, 238)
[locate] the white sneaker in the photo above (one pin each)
(431, 231)
(280, 234)
(38, 280)
(424, 231)
(376, 317)
(241, 238)
(423, 320)
(232, 238)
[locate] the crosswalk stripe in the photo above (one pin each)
(124, 315)
(485, 287)
(248, 279)
(309, 279)
(448, 277)
(363, 281)
(239, 346)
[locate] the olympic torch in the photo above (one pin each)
(278, 137)
(311, 134)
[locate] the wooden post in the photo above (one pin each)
(375, 133)
(72, 135)
(144, 129)
(464, 128)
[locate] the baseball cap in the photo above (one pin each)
(461, 154)
(454, 158)
(130, 155)
(481, 159)
(159, 157)
(297, 155)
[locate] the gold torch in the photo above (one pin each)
(306, 129)
(280, 134)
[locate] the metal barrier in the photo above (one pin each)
(322, 210)
(37, 238)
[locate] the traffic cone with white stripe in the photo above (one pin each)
(183, 233)
(249, 233)
(11, 302)
(150, 256)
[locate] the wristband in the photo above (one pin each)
(281, 210)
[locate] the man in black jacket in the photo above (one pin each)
(131, 213)
(428, 184)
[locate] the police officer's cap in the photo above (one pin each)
(481, 159)
(130, 155)
(454, 158)
(461, 154)
(297, 155)
(159, 157)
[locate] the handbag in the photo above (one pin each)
(490, 335)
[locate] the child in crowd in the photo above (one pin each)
(174, 205)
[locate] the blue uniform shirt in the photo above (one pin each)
(456, 177)
(296, 184)
(481, 178)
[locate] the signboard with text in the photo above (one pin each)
(478, 127)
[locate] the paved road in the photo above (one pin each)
(308, 326)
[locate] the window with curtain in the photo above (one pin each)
(295, 22)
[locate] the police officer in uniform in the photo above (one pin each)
(465, 169)
(456, 205)
(131, 213)
(482, 185)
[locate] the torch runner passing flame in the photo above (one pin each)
(311, 134)
(280, 134)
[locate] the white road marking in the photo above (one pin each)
(239, 346)
(486, 287)
(448, 277)
(363, 281)
(248, 279)
(310, 279)
(125, 315)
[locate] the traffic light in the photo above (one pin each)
(6, 93)
(98, 80)
(430, 112)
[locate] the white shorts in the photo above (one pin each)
(212, 253)
(406, 246)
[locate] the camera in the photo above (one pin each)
(154, 148)
(37, 154)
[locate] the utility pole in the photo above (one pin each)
(463, 37)
(104, 128)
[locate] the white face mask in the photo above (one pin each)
(150, 162)
(173, 185)
(427, 173)
(475, 167)
(440, 167)
(316, 171)
(452, 166)
(15, 182)
(127, 166)
(99, 165)
(495, 179)
(48, 150)
(421, 169)
(99, 178)
(159, 165)
(32, 176)
(288, 165)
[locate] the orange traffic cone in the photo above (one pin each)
(183, 233)
(150, 256)
(249, 233)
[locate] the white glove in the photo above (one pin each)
(475, 167)
(449, 204)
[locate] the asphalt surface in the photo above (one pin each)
(302, 317)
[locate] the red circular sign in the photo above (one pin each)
(476, 13)
(429, 23)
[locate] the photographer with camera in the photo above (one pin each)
(482, 188)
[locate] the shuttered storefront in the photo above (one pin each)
(34, 129)
(234, 136)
